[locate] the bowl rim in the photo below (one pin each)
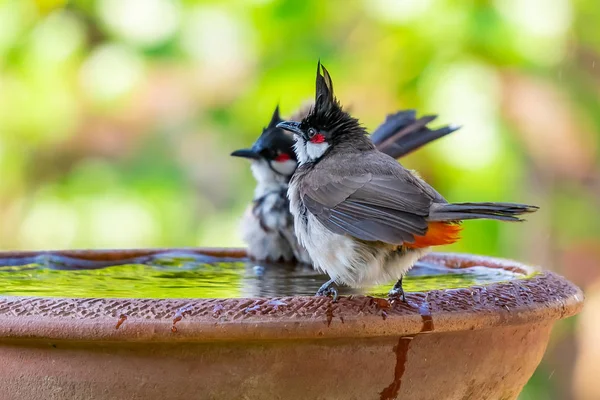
(544, 297)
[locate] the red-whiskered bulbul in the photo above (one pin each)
(363, 218)
(267, 225)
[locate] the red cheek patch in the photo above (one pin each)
(318, 138)
(282, 157)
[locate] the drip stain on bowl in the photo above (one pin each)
(122, 318)
(181, 275)
(401, 352)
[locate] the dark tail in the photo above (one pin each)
(402, 133)
(462, 211)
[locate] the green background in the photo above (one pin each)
(117, 119)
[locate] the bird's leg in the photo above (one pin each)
(397, 291)
(327, 289)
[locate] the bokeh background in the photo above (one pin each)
(117, 118)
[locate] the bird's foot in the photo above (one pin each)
(397, 292)
(327, 289)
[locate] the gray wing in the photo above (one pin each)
(371, 207)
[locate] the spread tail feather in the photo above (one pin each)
(393, 123)
(402, 133)
(497, 211)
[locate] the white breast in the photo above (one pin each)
(263, 245)
(345, 259)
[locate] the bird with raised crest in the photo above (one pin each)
(363, 218)
(267, 225)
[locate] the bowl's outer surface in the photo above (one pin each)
(476, 343)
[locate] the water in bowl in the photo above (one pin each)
(190, 275)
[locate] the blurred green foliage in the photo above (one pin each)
(117, 117)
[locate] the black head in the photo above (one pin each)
(327, 125)
(274, 146)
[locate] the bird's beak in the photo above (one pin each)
(246, 153)
(291, 126)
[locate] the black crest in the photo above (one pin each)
(327, 113)
(271, 143)
(274, 140)
(275, 119)
(324, 98)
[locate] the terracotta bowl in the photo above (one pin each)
(481, 342)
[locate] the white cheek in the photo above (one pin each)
(316, 150)
(284, 168)
(261, 171)
(300, 149)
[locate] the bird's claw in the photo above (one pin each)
(328, 290)
(397, 293)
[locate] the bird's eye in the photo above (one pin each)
(311, 132)
(268, 154)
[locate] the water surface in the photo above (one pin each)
(181, 275)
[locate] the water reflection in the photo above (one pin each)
(191, 275)
(269, 280)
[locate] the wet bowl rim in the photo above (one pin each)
(541, 298)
